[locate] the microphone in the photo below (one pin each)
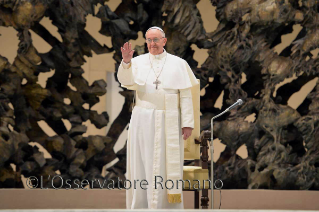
(239, 102)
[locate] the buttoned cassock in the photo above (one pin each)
(155, 147)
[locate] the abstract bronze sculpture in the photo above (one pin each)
(282, 142)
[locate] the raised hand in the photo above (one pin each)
(127, 52)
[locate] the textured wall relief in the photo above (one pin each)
(22, 106)
(282, 142)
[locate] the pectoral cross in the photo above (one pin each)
(157, 82)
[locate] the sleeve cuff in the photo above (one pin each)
(126, 65)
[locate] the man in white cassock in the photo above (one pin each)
(162, 117)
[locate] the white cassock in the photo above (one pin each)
(155, 147)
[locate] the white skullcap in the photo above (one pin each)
(158, 28)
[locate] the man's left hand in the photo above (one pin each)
(186, 132)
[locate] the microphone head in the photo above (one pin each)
(240, 102)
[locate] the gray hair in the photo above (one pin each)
(155, 27)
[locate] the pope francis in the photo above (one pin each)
(162, 117)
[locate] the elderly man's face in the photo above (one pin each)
(155, 47)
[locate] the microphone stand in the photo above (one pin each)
(239, 102)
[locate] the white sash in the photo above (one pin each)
(169, 104)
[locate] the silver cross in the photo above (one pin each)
(157, 82)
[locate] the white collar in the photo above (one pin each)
(158, 56)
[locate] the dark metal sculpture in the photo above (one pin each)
(75, 156)
(277, 158)
(282, 143)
